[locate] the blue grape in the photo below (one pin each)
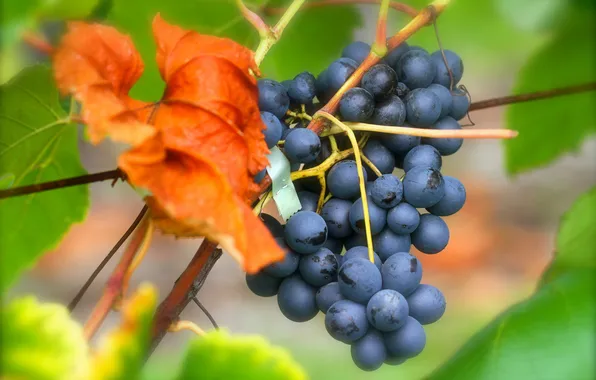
(305, 232)
(302, 89)
(401, 90)
(359, 279)
(273, 97)
(423, 107)
(380, 81)
(322, 86)
(356, 104)
(285, 267)
(380, 156)
(273, 225)
(262, 284)
(423, 155)
(394, 55)
(308, 200)
(260, 175)
(273, 129)
(388, 243)
(336, 214)
(445, 147)
(377, 217)
(355, 240)
(362, 253)
(386, 191)
(394, 360)
(302, 145)
(403, 218)
(454, 63)
(460, 105)
(416, 69)
(400, 145)
(423, 186)
(342, 180)
(452, 201)
(346, 321)
(319, 268)
(357, 51)
(408, 341)
(334, 245)
(327, 295)
(338, 72)
(369, 352)
(401, 272)
(444, 96)
(286, 84)
(296, 299)
(427, 304)
(432, 234)
(390, 111)
(387, 310)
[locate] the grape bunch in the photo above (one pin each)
(376, 306)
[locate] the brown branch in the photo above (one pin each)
(394, 5)
(105, 261)
(62, 183)
(38, 43)
(113, 289)
(538, 95)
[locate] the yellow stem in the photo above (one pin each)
(186, 325)
(262, 202)
(370, 165)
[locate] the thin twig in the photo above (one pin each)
(186, 325)
(115, 174)
(37, 42)
(401, 7)
(105, 261)
(207, 313)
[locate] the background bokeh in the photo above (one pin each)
(500, 242)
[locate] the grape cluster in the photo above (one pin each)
(379, 307)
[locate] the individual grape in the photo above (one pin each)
(342, 180)
(359, 279)
(296, 299)
(369, 352)
(305, 232)
(327, 295)
(423, 186)
(302, 145)
(357, 51)
(394, 55)
(416, 69)
(427, 304)
(346, 321)
(273, 128)
(325, 151)
(302, 89)
(285, 132)
(401, 272)
(338, 72)
(388, 243)
(322, 87)
(423, 155)
(408, 341)
(361, 252)
(356, 104)
(380, 156)
(423, 107)
(262, 284)
(445, 146)
(390, 111)
(444, 96)
(400, 145)
(454, 63)
(432, 234)
(386, 191)
(286, 84)
(401, 90)
(334, 245)
(336, 214)
(308, 200)
(377, 217)
(355, 240)
(285, 267)
(319, 268)
(460, 105)
(380, 81)
(273, 225)
(403, 218)
(273, 97)
(259, 176)
(394, 360)
(387, 310)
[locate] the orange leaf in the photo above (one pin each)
(199, 151)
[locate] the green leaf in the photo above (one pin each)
(65, 9)
(217, 355)
(41, 341)
(37, 144)
(550, 335)
(550, 128)
(6, 180)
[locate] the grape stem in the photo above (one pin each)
(400, 7)
(186, 325)
(380, 45)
